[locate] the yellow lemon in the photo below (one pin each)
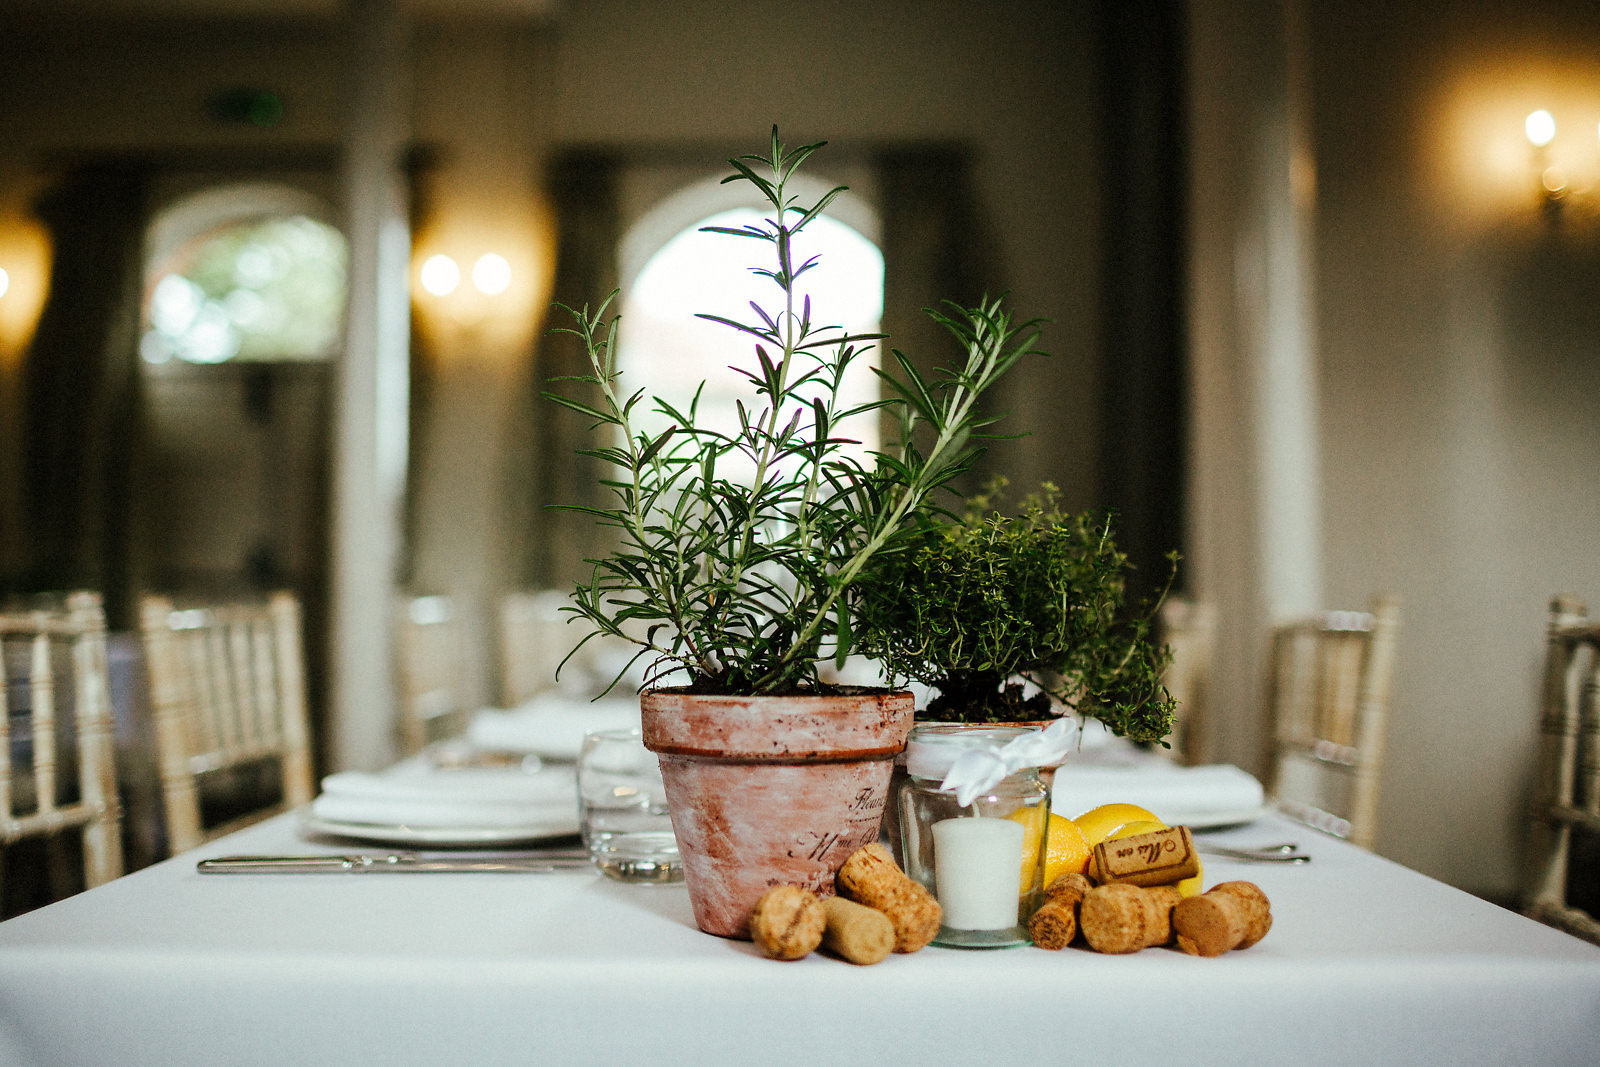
(1136, 826)
(1189, 886)
(1097, 823)
(1065, 847)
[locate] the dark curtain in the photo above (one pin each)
(1145, 398)
(933, 251)
(80, 386)
(582, 187)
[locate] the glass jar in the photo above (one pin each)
(983, 861)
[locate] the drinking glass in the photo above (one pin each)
(622, 809)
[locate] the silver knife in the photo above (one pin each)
(392, 862)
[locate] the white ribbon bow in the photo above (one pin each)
(978, 770)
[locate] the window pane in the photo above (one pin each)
(666, 351)
(265, 289)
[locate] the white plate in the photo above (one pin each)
(440, 836)
(1215, 820)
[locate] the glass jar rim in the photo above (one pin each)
(933, 747)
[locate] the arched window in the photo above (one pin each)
(245, 273)
(672, 271)
(244, 299)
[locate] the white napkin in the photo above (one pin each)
(466, 798)
(551, 726)
(1175, 794)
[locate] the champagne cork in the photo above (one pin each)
(871, 877)
(1055, 923)
(1227, 916)
(856, 932)
(787, 922)
(1121, 917)
(1258, 910)
(1160, 857)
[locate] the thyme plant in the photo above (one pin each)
(986, 603)
(742, 583)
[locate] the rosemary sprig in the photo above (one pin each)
(744, 584)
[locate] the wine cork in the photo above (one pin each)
(1160, 857)
(787, 922)
(856, 932)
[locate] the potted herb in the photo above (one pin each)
(1017, 619)
(741, 584)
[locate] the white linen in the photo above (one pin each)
(1367, 963)
(550, 725)
(1173, 793)
(469, 797)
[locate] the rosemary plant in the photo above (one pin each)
(991, 601)
(742, 583)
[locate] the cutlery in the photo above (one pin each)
(1284, 853)
(395, 863)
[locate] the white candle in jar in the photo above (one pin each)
(978, 872)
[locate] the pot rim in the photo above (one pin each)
(866, 724)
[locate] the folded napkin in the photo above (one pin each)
(470, 798)
(551, 726)
(1208, 795)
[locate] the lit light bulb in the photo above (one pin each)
(491, 274)
(1540, 128)
(440, 275)
(5, 281)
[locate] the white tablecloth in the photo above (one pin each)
(1367, 963)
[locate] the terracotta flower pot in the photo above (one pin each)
(771, 790)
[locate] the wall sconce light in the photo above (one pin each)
(1556, 185)
(440, 276)
(485, 294)
(491, 274)
(24, 284)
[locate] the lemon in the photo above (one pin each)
(1097, 823)
(1065, 847)
(1137, 826)
(1189, 886)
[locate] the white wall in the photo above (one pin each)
(1458, 384)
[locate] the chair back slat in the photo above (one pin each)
(41, 680)
(1328, 698)
(61, 645)
(1567, 796)
(227, 683)
(5, 738)
(430, 646)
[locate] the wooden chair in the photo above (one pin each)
(1568, 793)
(50, 658)
(227, 685)
(1189, 628)
(1328, 699)
(533, 639)
(429, 650)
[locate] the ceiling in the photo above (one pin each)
(258, 9)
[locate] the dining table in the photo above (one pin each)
(1366, 962)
